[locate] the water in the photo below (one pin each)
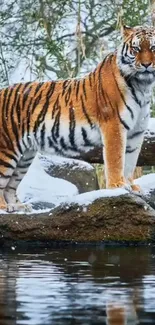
(78, 286)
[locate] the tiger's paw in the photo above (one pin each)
(120, 184)
(136, 190)
(135, 187)
(16, 207)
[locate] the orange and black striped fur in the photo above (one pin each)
(109, 106)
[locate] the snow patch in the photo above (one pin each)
(87, 198)
(38, 186)
(47, 161)
(146, 182)
(151, 128)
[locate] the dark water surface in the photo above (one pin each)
(78, 286)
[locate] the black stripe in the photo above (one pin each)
(43, 111)
(85, 137)
(26, 160)
(25, 166)
(4, 120)
(36, 102)
(38, 87)
(51, 89)
(123, 99)
(28, 120)
(6, 164)
(63, 144)
(130, 150)
(51, 144)
(13, 122)
(148, 114)
(18, 111)
(94, 74)
(136, 134)
(77, 88)
(101, 91)
(85, 113)
(26, 92)
(23, 172)
(5, 97)
(5, 176)
(64, 86)
(6, 138)
(101, 66)
(55, 128)
(6, 135)
(42, 137)
(9, 155)
(68, 94)
(75, 82)
(56, 106)
(16, 134)
(7, 102)
(72, 125)
(84, 88)
(11, 187)
(132, 91)
(90, 81)
(122, 121)
(125, 54)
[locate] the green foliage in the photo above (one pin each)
(135, 12)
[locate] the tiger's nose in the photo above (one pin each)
(146, 65)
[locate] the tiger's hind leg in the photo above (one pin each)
(13, 203)
(8, 163)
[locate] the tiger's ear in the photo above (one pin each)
(126, 31)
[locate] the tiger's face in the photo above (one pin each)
(136, 56)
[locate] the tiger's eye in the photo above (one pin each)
(153, 48)
(136, 49)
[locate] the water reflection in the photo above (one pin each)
(114, 286)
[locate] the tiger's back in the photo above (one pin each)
(51, 116)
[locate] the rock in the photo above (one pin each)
(79, 173)
(124, 218)
(150, 198)
(42, 205)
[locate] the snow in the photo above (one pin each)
(89, 197)
(146, 182)
(38, 186)
(48, 161)
(151, 128)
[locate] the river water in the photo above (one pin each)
(78, 285)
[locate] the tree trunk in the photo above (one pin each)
(146, 158)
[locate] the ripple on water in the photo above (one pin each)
(81, 286)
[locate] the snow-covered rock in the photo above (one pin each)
(79, 173)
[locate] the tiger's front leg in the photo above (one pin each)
(134, 144)
(135, 139)
(114, 140)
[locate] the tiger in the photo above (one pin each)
(108, 107)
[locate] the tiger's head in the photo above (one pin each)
(136, 55)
